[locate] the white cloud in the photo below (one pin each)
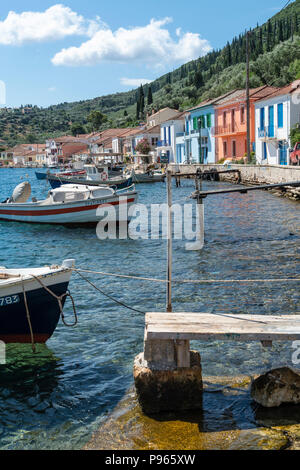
(57, 22)
(52, 89)
(134, 82)
(151, 45)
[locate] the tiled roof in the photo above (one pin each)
(70, 148)
(286, 90)
(176, 117)
(213, 101)
(21, 148)
(161, 110)
(65, 138)
(240, 95)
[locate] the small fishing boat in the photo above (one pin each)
(116, 182)
(42, 175)
(147, 177)
(43, 308)
(68, 204)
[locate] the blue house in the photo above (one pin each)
(199, 141)
(198, 144)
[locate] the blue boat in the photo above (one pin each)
(117, 183)
(43, 307)
(41, 175)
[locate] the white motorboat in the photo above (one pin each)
(68, 204)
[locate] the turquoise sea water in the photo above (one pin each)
(58, 397)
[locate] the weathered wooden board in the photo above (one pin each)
(207, 327)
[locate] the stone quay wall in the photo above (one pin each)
(253, 175)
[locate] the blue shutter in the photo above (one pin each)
(280, 114)
(262, 119)
(265, 155)
(169, 135)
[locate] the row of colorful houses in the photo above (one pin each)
(216, 130)
(211, 132)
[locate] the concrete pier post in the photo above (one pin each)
(168, 377)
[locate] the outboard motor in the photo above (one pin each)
(21, 193)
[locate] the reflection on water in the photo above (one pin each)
(59, 397)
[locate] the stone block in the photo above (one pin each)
(178, 389)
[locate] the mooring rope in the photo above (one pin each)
(28, 317)
(186, 281)
(109, 296)
(59, 299)
(144, 313)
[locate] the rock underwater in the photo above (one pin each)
(277, 387)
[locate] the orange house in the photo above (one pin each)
(231, 122)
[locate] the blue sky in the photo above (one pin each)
(72, 50)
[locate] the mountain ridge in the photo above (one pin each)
(275, 57)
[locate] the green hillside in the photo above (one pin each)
(275, 60)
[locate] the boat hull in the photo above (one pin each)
(43, 308)
(148, 178)
(120, 183)
(44, 315)
(40, 175)
(82, 212)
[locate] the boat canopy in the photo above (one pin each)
(72, 193)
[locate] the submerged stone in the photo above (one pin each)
(277, 387)
(211, 428)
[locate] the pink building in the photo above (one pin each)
(231, 123)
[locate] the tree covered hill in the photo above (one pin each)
(275, 60)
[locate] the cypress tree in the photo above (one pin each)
(269, 36)
(141, 101)
(150, 97)
(198, 79)
(280, 32)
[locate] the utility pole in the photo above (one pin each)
(170, 235)
(248, 96)
(200, 139)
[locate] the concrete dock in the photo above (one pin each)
(168, 376)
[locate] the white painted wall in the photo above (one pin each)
(176, 126)
(281, 134)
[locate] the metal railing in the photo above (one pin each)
(268, 132)
(163, 143)
(219, 130)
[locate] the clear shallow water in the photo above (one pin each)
(57, 398)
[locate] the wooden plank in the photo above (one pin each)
(183, 355)
(193, 326)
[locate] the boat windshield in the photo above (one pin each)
(91, 170)
(68, 196)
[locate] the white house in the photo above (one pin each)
(165, 114)
(169, 131)
(275, 116)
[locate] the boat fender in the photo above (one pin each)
(21, 193)
(104, 176)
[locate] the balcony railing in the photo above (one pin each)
(220, 130)
(163, 143)
(267, 133)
